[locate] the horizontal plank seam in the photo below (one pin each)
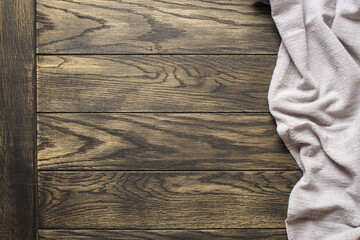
(121, 54)
(146, 170)
(162, 229)
(152, 112)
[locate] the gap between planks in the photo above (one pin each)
(166, 54)
(161, 229)
(152, 112)
(166, 170)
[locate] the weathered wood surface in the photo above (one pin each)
(161, 141)
(223, 234)
(152, 26)
(156, 122)
(17, 120)
(164, 200)
(176, 83)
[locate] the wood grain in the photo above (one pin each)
(176, 83)
(17, 120)
(155, 26)
(161, 199)
(223, 234)
(162, 141)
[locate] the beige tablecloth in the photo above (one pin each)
(314, 97)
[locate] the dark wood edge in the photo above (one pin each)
(17, 120)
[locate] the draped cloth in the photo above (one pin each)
(314, 97)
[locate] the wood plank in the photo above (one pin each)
(223, 234)
(161, 141)
(152, 26)
(17, 120)
(161, 199)
(177, 83)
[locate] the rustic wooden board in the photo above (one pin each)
(167, 141)
(223, 234)
(161, 199)
(176, 83)
(151, 26)
(17, 120)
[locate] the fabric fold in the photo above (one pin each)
(314, 97)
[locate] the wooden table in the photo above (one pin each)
(152, 121)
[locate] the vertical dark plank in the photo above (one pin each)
(17, 120)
